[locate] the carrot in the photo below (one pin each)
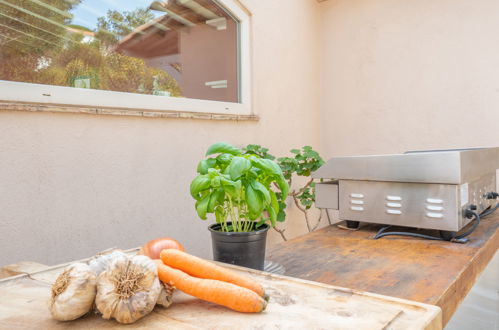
(204, 269)
(218, 292)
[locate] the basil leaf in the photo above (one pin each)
(215, 182)
(273, 201)
(205, 164)
(283, 186)
(219, 215)
(200, 183)
(232, 188)
(261, 188)
(254, 201)
(267, 165)
(216, 198)
(221, 147)
(273, 166)
(272, 215)
(202, 206)
(224, 159)
(238, 166)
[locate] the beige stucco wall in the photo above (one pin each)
(71, 185)
(412, 74)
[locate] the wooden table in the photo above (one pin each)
(294, 304)
(431, 272)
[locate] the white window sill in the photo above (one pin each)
(43, 107)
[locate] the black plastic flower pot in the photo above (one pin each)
(245, 249)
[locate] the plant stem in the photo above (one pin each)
(233, 217)
(224, 225)
(281, 232)
(246, 226)
(302, 189)
(318, 220)
(297, 203)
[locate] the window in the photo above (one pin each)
(154, 55)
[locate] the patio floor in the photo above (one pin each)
(480, 309)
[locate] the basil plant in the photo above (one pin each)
(237, 187)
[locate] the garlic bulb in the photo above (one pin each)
(101, 262)
(73, 292)
(128, 289)
(165, 297)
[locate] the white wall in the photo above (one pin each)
(405, 75)
(72, 185)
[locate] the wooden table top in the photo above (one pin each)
(432, 272)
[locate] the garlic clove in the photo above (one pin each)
(128, 289)
(101, 262)
(165, 297)
(73, 292)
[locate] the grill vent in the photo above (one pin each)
(435, 208)
(393, 205)
(357, 202)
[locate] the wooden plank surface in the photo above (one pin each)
(294, 304)
(24, 267)
(431, 272)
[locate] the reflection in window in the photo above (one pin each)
(180, 48)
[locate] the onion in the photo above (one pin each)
(153, 248)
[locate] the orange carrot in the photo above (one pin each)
(218, 292)
(204, 269)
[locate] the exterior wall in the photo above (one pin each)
(405, 75)
(75, 184)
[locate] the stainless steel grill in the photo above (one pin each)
(422, 189)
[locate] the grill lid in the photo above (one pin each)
(452, 166)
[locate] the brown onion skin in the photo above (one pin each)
(153, 248)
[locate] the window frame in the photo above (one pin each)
(12, 91)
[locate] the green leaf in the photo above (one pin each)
(261, 222)
(216, 198)
(213, 172)
(219, 214)
(202, 206)
(273, 201)
(238, 166)
(224, 159)
(254, 201)
(232, 188)
(262, 189)
(272, 215)
(200, 183)
(205, 164)
(273, 166)
(267, 165)
(258, 150)
(283, 186)
(221, 147)
(281, 216)
(215, 182)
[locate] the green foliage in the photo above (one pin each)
(255, 149)
(116, 25)
(26, 39)
(303, 163)
(236, 187)
(36, 51)
(34, 39)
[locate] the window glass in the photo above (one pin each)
(179, 48)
